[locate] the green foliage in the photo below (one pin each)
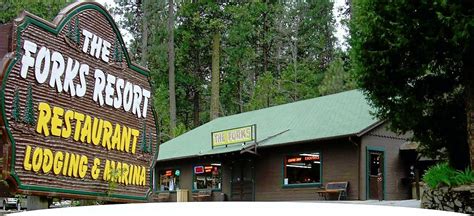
(444, 175)
(29, 115)
(46, 9)
(413, 59)
(464, 177)
(438, 175)
(336, 79)
(271, 53)
(16, 106)
(115, 174)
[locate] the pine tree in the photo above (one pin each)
(117, 51)
(16, 106)
(29, 117)
(77, 32)
(143, 142)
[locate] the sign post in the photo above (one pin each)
(76, 113)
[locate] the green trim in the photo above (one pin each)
(28, 20)
(367, 186)
(204, 164)
(302, 185)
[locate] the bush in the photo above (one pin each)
(444, 175)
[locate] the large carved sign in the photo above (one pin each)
(77, 114)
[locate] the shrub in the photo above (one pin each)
(444, 175)
(464, 177)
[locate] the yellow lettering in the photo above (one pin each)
(26, 162)
(125, 142)
(106, 176)
(58, 162)
(136, 175)
(116, 137)
(67, 130)
(56, 121)
(119, 172)
(107, 135)
(47, 160)
(37, 159)
(79, 118)
(73, 165)
(124, 174)
(86, 130)
(43, 118)
(143, 177)
(135, 134)
(83, 166)
(95, 169)
(97, 131)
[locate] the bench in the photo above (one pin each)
(336, 188)
(203, 195)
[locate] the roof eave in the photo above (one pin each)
(370, 128)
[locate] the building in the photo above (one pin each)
(288, 152)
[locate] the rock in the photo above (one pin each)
(450, 204)
(443, 190)
(469, 210)
(447, 208)
(458, 203)
(462, 188)
(436, 200)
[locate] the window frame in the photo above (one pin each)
(194, 175)
(157, 176)
(301, 185)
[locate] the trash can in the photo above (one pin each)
(182, 195)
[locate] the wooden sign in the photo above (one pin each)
(233, 136)
(77, 114)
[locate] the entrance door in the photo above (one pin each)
(242, 181)
(375, 174)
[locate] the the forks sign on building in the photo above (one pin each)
(77, 117)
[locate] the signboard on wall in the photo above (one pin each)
(233, 136)
(77, 113)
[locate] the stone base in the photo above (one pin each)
(457, 199)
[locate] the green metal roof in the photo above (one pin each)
(342, 114)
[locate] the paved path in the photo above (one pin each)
(401, 203)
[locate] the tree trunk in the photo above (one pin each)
(144, 35)
(196, 109)
(171, 75)
(469, 82)
(215, 76)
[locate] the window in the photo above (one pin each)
(169, 179)
(207, 177)
(302, 168)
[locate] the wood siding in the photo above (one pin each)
(339, 163)
(342, 160)
(395, 169)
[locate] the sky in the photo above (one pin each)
(340, 33)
